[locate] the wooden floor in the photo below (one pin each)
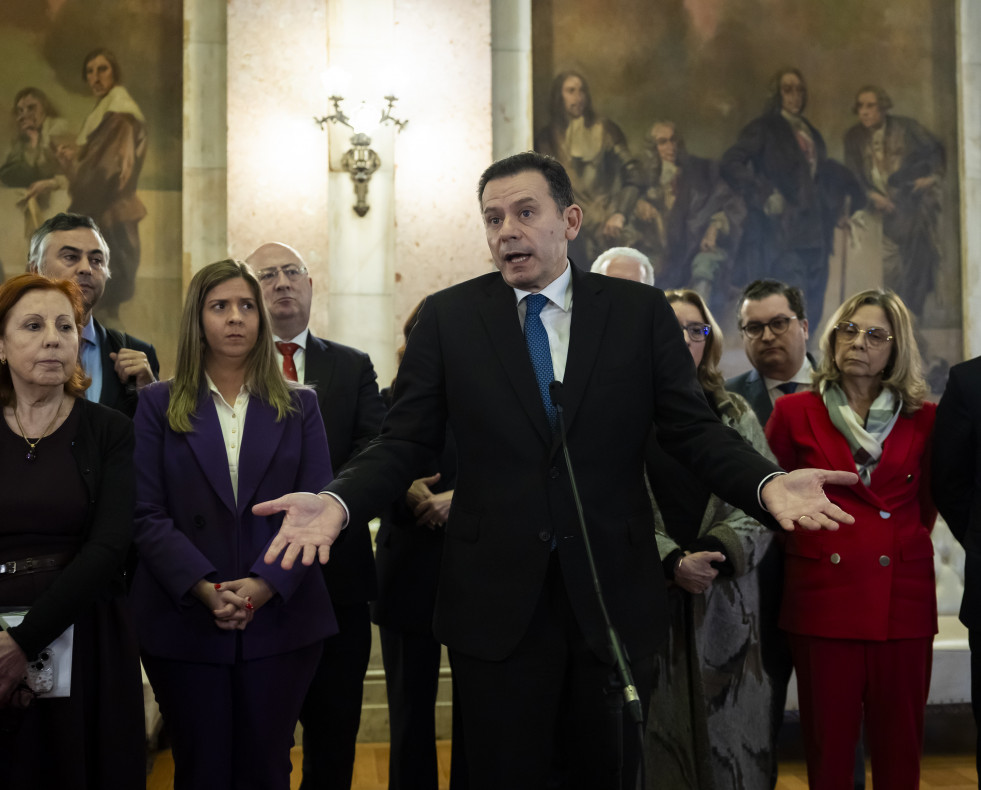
(950, 772)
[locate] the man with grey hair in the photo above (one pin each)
(625, 263)
(71, 247)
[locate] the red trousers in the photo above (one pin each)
(841, 680)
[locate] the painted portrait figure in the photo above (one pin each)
(794, 192)
(899, 164)
(104, 169)
(688, 220)
(32, 162)
(595, 154)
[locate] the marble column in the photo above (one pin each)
(204, 161)
(511, 53)
(969, 94)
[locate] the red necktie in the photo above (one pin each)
(288, 350)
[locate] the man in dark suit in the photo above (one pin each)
(516, 602)
(71, 247)
(352, 410)
(956, 461)
(773, 324)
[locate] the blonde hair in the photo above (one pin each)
(903, 374)
(263, 377)
(709, 374)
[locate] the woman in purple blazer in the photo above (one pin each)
(229, 643)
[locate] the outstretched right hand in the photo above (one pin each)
(312, 524)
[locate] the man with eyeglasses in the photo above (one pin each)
(773, 324)
(353, 411)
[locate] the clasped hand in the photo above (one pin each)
(694, 572)
(431, 510)
(233, 603)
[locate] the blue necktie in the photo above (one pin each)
(541, 357)
(788, 387)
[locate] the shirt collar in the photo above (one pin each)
(88, 332)
(559, 291)
(244, 390)
(802, 376)
(300, 339)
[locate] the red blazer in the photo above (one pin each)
(872, 579)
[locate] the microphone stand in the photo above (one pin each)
(631, 699)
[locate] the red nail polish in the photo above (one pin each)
(217, 586)
(248, 605)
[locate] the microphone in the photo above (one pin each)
(555, 393)
(630, 696)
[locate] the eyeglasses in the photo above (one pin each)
(697, 332)
(846, 332)
(292, 273)
(778, 325)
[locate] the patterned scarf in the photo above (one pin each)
(865, 441)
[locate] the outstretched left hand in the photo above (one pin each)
(797, 499)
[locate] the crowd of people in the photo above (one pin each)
(624, 552)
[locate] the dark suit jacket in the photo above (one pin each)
(115, 394)
(753, 388)
(956, 465)
(466, 362)
(189, 527)
(860, 595)
(352, 410)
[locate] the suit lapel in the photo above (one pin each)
(759, 397)
(836, 450)
(208, 445)
(590, 307)
(110, 381)
(319, 368)
(499, 313)
(895, 450)
(260, 441)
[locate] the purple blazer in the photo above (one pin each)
(189, 526)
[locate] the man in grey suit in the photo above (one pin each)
(773, 324)
(353, 411)
(71, 247)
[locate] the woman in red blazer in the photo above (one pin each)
(859, 604)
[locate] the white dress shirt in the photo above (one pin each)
(231, 418)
